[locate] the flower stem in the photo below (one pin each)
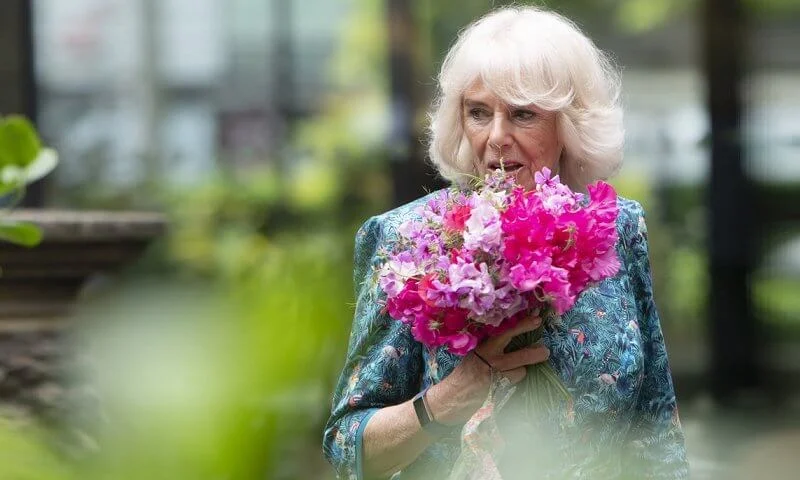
(542, 387)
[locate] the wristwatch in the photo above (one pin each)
(426, 420)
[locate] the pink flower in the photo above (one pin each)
(455, 218)
(455, 319)
(473, 285)
(434, 292)
(532, 273)
(558, 291)
(461, 343)
(478, 262)
(407, 305)
(426, 331)
(395, 272)
(542, 177)
(483, 229)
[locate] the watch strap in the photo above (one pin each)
(426, 420)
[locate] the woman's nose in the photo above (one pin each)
(500, 133)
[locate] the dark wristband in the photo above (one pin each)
(425, 420)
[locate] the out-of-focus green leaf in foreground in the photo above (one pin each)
(24, 455)
(223, 381)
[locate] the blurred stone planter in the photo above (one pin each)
(39, 287)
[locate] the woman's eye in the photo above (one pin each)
(524, 115)
(478, 113)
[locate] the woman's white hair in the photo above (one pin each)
(529, 56)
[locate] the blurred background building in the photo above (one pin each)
(128, 84)
(192, 81)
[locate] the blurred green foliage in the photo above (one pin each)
(203, 381)
(23, 160)
(224, 368)
(228, 380)
(25, 455)
(676, 247)
(278, 256)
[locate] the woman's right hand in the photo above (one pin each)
(453, 400)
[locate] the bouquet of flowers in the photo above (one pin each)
(479, 259)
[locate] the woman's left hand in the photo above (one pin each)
(456, 398)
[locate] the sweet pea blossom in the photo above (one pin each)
(473, 285)
(395, 273)
(475, 262)
(483, 229)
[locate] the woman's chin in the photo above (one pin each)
(524, 178)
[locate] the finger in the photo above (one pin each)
(522, 358)
(499, 343)
(482, 359)
(516, 375)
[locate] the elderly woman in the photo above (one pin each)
(526, 86)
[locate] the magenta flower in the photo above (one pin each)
(455, 219)
(474, 263)
(461, 343)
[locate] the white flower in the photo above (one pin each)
(393, 275)
(483, 227)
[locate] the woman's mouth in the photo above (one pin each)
(509, 167)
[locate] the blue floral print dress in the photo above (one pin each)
(608, 349)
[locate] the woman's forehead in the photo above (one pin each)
(479, 92)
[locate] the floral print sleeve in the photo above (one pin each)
(383, 365)
(655, 446)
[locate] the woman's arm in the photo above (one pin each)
(394, 438)
(383, 365)
(373, 427)
(656, 442)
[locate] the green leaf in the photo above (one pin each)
(19, 142)
(9, 185)
(20, 233)
(13, 177)
(44, 163)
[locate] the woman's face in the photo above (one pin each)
(523, 136)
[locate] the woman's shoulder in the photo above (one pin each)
(629, 207)
(410, 209)
(631, 225)
(390, 220)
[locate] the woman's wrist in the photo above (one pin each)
(426, 418)
(439, 401)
